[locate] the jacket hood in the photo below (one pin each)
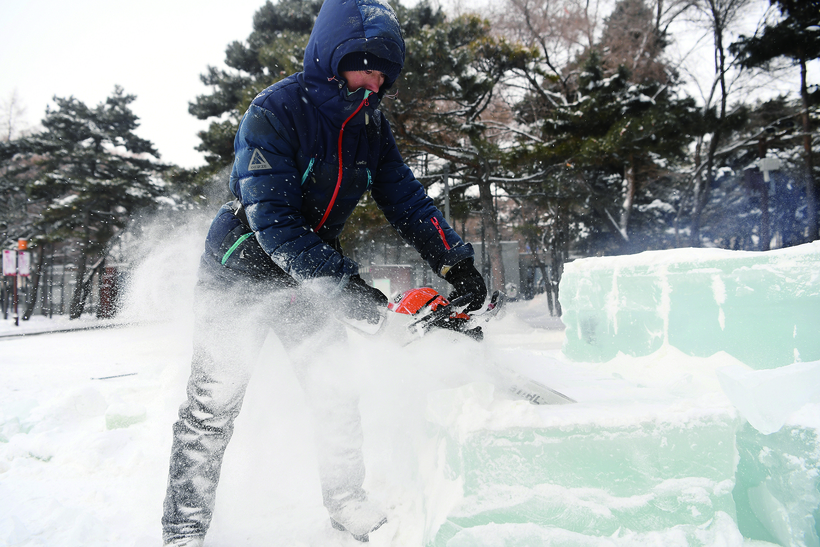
(342, 27)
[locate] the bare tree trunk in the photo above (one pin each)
(629, 194)
(488, 217)
(31, 302)
(548, 288)
(12, 112)
(78, 296)
(811, 191)
(81, 287)
(695, 183)
(718, 14)
(559, 247)
(535, 245)
(705, 190)
(4, 297)
(658, 14)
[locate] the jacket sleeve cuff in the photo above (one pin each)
(453, 257)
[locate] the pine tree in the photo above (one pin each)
(96, 173)
(14, 175)
(601, 127)
(609, 149)
(273, 51)
(629, 39)
(797, 37)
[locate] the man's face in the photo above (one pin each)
(368, 79)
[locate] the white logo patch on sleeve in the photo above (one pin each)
(258, 161)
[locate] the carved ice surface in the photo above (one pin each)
(643, 453)
(763, 308)
(766, 398)
(778, 488)
(696, 421)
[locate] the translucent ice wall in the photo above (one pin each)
(550, 477)
(697, 380)
(760, 307)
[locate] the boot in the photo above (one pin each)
(186, 542)
(357, 516)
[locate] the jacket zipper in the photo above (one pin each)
(307, 171)
(434, 220)
(339, 178)
(238, 242)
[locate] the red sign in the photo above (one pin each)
(9, 262)
(17, 263)
(23, 263)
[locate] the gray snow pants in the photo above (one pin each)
(231, 326)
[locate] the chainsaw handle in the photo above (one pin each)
(442, 311)
(461, 300)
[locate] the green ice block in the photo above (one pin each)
(778, 485)
(592, 480)
(761, 307)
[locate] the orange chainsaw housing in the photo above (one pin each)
(413, 301)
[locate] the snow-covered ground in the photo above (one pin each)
(67, 479)
(85, 428)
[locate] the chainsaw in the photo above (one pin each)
(430, 311)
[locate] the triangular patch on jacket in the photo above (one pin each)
(258, 161)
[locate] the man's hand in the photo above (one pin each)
(465, 279)
(362, 302)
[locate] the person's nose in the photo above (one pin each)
(375, 80)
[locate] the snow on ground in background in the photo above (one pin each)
(39, 324)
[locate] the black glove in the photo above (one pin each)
(465, 279)
(362, 302)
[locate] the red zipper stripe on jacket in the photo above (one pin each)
(339, 178)
(434, 220)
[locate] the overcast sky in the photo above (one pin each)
(157, 49)
(154, 49)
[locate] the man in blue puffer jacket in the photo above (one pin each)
(306, 151)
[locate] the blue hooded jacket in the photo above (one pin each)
(294, 187)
